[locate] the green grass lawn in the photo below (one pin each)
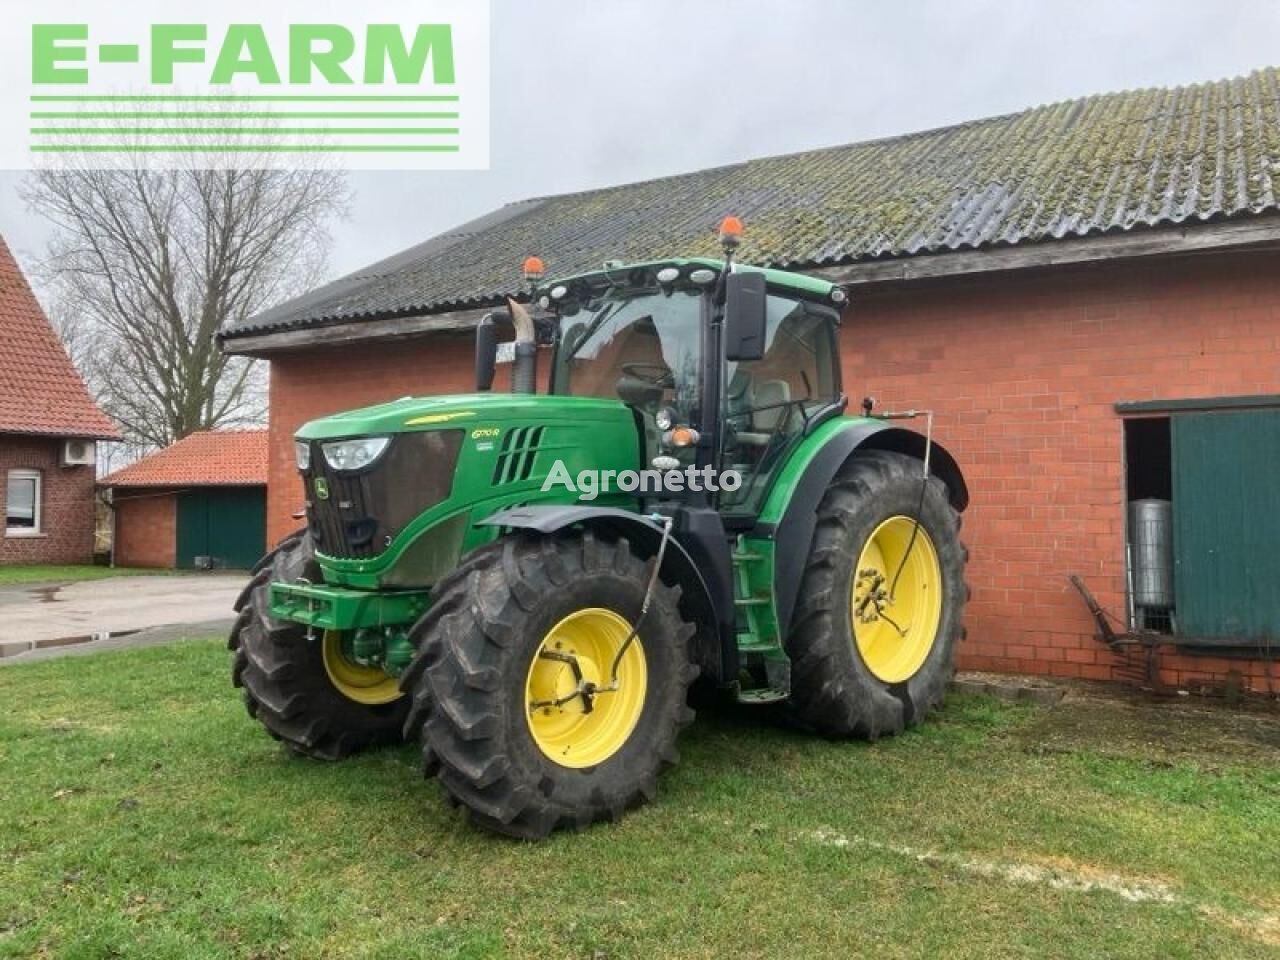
(143, 814)
(67, 573)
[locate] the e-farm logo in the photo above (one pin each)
(383, 84)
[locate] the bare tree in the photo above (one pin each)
(146, 267)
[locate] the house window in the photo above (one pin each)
(22, 504)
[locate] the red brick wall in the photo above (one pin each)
(146, 528)
(327, 380)
(67, 510)
(1024, 372)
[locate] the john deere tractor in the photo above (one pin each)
(529, 584)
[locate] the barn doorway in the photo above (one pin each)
(221, 528)
(1201, 519)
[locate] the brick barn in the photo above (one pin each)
(198, 504)
(1087, 294)
(48, 430)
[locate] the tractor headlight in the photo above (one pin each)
(354, 454)
(302, 454)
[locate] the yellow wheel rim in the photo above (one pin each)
(355, 681)
(894, 634)
(567, 732)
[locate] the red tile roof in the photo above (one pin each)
(212, 458)
(40, 391)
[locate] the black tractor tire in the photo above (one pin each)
(475, 646)
(282, 674)
(833, 691)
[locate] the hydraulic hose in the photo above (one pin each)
(644, 605)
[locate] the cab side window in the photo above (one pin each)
(767, 400)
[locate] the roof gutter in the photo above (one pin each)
(62, 434)
(266, 343)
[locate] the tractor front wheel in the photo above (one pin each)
(873, 638)
(305, 691)
(516, 699)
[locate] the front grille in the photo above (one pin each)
(364, 510)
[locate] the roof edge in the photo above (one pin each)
(263, 343)
(106, 481)
(1136, 242)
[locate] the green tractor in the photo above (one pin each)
(529, 584)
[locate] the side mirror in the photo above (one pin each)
(486, 353)
(744, 316)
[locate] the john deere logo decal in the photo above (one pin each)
(321, 487)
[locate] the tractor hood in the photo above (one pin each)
(468, 410)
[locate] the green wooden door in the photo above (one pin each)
(228, 524)
(1226, 523)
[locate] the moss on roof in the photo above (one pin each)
(1078, 168)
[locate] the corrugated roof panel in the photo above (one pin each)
(1071, 169)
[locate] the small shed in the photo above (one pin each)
(200, 504)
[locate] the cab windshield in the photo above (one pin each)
(642, 347)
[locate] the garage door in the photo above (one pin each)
(227, 525)
(1226, 474)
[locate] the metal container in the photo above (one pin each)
(1151, 553)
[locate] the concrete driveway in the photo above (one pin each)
(44, 616)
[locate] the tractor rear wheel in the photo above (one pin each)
(872, 642)
(305, 691)
(505, 683)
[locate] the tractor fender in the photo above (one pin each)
(793, 533)
(677, 566)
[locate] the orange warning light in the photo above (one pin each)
(730, 228)
(533, 268)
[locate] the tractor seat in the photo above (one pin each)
(773, 394)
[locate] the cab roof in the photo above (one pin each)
(797, 284)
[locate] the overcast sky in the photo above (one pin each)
(588, 93)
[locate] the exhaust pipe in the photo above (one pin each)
(524, 374)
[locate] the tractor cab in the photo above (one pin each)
(656, 336)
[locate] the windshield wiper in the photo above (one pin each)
(605, 313)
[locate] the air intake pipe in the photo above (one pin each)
(524, 374)
(486, 353)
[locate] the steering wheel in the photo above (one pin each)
(657, 374)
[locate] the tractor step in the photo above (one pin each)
(754, 646)
(762, 695)
(741, 557)
(752, 601)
